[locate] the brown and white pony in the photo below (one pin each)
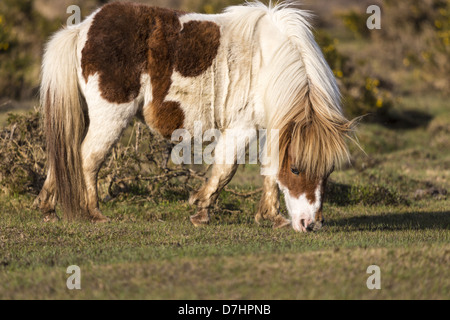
(252, 66)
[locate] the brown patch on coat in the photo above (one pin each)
(161, 47)
(165, 117)
(128, 39)
(121, 40)
(297, 184)
(197, 47)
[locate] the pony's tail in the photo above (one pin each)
(64, 120)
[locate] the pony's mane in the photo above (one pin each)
(303, 88)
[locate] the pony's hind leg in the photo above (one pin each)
(222, 172)
(106, 124)
(269, 205)
(46, 200)
(208, 194)
(206, 197)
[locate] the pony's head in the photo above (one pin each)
(312, 145)
(303, 194)
(302, 101)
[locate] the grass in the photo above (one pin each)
(150, 250)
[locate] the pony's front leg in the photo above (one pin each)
(269, 205)
(207, 195)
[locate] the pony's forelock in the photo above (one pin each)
(315, 140)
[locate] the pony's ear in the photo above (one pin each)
(197, 47)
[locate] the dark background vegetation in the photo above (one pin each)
(421, 47)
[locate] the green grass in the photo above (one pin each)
(151, 250)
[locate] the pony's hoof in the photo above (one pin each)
(199, 219)
(51, 217)
(281, 222)
(100, 220)
(193, 199)
(258, 218)
(98, 217)
(36, 203)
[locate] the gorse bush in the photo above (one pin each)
(14, 64)
(419, 35)
(23, 32)
(362, 94)
(416, 34)
(356, 23)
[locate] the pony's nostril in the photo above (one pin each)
(304, 225)
(307, 224)
(303, 222)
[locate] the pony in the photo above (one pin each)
(252, 66)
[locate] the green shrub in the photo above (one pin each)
(362, 94)
(22, 34)
(418, 35)
(356, 23)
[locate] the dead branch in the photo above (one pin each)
(243, 194)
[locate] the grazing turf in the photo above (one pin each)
(389, 209)
(150, 250)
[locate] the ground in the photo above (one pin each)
(151, 250)
(390, 208)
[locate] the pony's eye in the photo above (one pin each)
(295, 171)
